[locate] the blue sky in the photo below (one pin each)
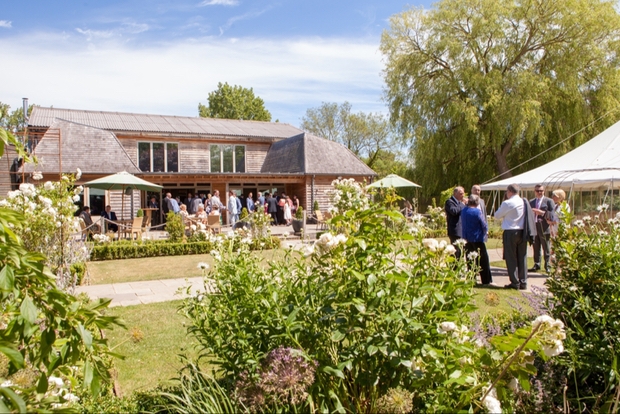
(164, 57)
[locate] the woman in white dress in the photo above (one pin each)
(288, 217)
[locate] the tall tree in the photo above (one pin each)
(478, 86)
(234, 102)
(12, 121)
(365, 134)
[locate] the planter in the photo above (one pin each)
(298, 225)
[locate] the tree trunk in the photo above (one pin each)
(502, 165)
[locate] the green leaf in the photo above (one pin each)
(456, 374)
(372, 279)
(28, 310)
(88, 374)
(14, 355)
(7, 278)
(361, 243)
(415, 302)
(371, 349)
(17, 401)
(87, 337)
(358, 275)
(337, 336)
(335, 372)
(42, 384)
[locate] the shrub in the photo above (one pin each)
(175, 227)
(139, 213)
(244, 214)
(315, 206)
(299, 214)
(133, 250)
(585, 287)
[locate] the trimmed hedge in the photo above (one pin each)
(129, 250)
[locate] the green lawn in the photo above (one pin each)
(154, 338)
(154, 268)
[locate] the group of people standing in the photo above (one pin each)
(281, 207)
(535, 222)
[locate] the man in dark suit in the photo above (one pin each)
(541, 206)
(453, 208)
(108, 214)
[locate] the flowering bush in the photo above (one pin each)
(381, 312)
(584, 290)
(50, 226)
(347, 195)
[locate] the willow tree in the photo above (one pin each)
(479, 86)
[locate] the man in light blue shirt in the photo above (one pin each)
(249, 201)
(512, 213)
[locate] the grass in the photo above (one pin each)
(155, 268)
(154, 338)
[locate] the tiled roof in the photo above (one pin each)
(308, 154)
(90, 149)
(129, 122)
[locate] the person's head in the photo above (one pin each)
(153, 199)
(189, 195)
(183, 207)
(108, 208)
(513, 189)
(558, 195)
(473, 200)
(208, 196)
(168, 195)
(87, 209)
(475, 189)
(287, 198)
(216, 193)
(539, 190)
(458, 193)
(201, 207)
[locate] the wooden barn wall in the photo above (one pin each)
(5, 169)
(115, 199)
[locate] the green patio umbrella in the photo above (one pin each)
(393, 180)
(122, 181)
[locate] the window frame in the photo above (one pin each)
(165, 161)
(234, 158)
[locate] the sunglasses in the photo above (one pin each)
(540, 191)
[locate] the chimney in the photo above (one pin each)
(25, 107)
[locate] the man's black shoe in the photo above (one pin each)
(534, 269)
(523, 286)
(515, 287)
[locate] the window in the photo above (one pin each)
(227, 158)
(158, 156)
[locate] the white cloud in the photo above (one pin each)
(219, 3)
(95, 34)
(290, 75)
(7, 24)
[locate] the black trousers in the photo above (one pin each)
(482, 260)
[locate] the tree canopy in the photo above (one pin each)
(367, 135)
(479, 86)
(234, 102)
